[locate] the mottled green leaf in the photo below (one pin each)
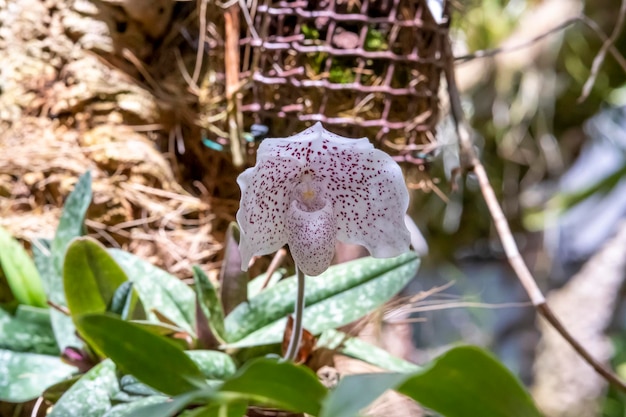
(90, 395)
(126, 303)
(342, 294)
(213, 364)
(281, 384)
(360, 349)
(131, 409)
(209, 302)
(24, 376)
(70, 227)
(90, 277)
(42, 257)
(20, 272)
(152, 359)
(159, 290)
(29, 330)
(257, 284)
(64, 330)
(131, 385)
(50, 265)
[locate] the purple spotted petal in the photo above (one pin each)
(265, 193)
(311, 237)
(322, 173)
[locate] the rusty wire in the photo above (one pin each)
(362, 67)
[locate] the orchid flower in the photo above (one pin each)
(317, 187)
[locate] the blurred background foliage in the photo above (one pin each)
(523, 104)
(555, 161)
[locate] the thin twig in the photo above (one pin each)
(193, 87)
(62, 309)
(296, 334)
(471, 161)
(504, 49)
(487, 53)
(276, 262)
(599, 59)
(612, 49)
(201, 43)
(145, 73)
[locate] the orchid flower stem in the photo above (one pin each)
(296, 334)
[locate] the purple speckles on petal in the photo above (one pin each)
(311, 237)
(315, 187)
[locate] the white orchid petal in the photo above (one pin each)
(315, 177)
(265, 193)
(370, 200)
(311, 236)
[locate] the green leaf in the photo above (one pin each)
(90, 277)
(162, 329)
(467, 381)
(280, 384)
(64, 330)
(360, 349)
(120, 303)
(131, 386)
(24, 376)
(132, 409)
(126, 303)
(50, 265)
(233, 281)
(54, 392)
(159, 290)
(355, 392)
(152, 359)
(464, 382)
(349, 291)
(90, 395)
(42, 256)
(169, 408)
(70, 226)
(209, 302)
(256, 285)
(20, 272)
(228, 409)
(564, 201)
(29, 330)
(213, 364)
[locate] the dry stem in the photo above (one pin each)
(607, 45)
(599, 59)
(231, 61)
(471, 161)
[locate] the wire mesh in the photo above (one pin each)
(362, 67)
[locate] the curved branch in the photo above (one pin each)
(472, 162)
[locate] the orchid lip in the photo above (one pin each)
(311, 237)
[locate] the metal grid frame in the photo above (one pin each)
(292, 56)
